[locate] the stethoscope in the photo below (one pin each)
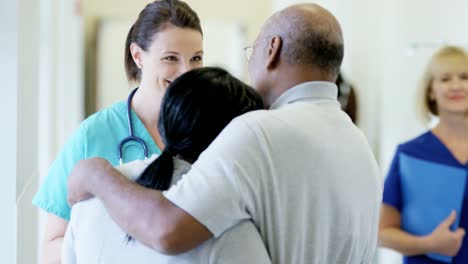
(131, 136)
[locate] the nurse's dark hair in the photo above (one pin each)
(154, 18)
(195, 109)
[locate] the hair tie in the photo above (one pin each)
(168, 151)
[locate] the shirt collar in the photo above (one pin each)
(307, 91)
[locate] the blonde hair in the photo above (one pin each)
(428, 106)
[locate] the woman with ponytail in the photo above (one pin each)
(165, 41)
(195, 109)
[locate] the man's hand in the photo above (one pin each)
(82, 178)
(443, 240)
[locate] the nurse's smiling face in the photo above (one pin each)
(173, 51)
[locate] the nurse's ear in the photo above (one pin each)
(137, 53)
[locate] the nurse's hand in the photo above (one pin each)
(445, 241)
(85, 178)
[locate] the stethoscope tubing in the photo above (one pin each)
(131, 136)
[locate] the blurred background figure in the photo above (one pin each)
(425, 198)
(347, 98)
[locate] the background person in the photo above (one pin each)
(444, 93)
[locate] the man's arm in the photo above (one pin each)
(143, 213)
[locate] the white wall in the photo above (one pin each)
(31, 83)
(60, 96)
(18, 20)
(9, 75)
(26, 164)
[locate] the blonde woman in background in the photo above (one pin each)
(444, 94)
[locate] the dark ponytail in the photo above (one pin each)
(158, 175)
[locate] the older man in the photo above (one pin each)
(301, 171)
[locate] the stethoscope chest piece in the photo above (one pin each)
(131, 136)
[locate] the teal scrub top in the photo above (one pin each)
(97, 136)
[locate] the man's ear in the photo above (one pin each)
(274, 52)
(136, 52)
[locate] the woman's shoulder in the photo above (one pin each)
(109, 115)
(417, 142)
(424, 146)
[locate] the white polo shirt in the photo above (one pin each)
(301, 171)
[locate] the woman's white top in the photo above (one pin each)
(93, 237)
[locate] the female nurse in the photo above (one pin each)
(165, 41)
